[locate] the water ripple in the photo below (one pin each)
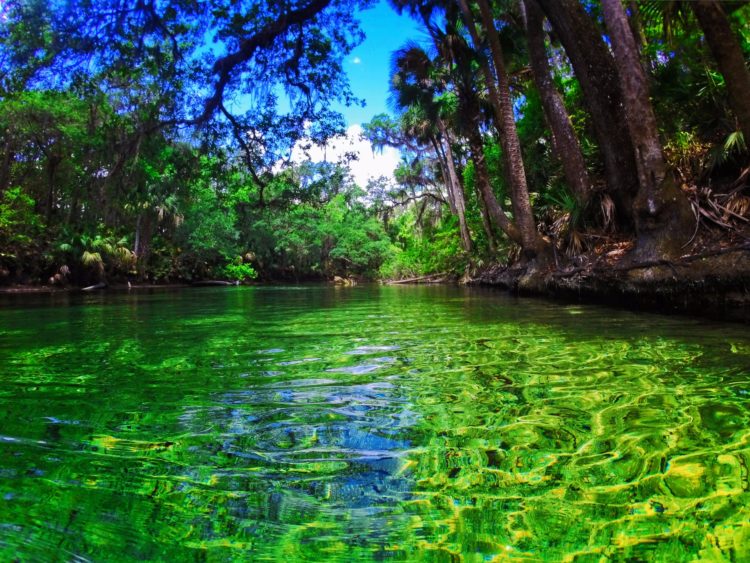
(370, 423)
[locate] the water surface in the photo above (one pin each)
(367, 424)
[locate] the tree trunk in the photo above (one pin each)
(486, 223)
(634, 21)
(564, 140)
(530, 240)
(644, 133)
(73, 211)
(5, 171)
(458, 190)
(728, 54)
(482, 179)
(142, 246)
(440, 155)
(52, 162)
(596, 71)
(662, 214)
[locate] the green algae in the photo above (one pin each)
(369, 423)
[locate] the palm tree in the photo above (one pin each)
(460, 63)
(532, 243)
(564, 140)
(413, 85)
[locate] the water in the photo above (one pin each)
(369, 423)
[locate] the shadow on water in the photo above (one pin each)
(406, 423)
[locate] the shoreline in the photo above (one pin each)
(48, 289)
(714, 285)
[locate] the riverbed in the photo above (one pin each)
(319, 423)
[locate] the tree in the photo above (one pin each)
(564, 139)
(415, 85)
(458, 57)
(596, 71)
(662, 213)
(453, 180)
(532, 243)
(151, 55)
(729, 56)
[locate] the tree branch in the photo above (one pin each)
(238, 135)
(417, 198)
(225, 66)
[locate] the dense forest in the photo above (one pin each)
(150, 141)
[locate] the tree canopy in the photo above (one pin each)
(153, 139)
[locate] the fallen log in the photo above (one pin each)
(205, 283)
(432, 278)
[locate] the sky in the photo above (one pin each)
(368, 65)
(368, 68)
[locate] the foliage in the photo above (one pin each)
(437, 250)
(237, 270)
(19, 225)
(121, 156)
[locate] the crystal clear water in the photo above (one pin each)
(368, 423)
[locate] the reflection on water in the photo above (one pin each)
(369, 423)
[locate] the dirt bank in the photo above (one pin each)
(713, 284)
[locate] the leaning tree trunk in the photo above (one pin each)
(728, 54)
(531, 241)
(596, 71)
(482, 178)
(662, 213)
(564, 140)
(437, 145)
(486, 223)
(458, 191)
(636, 28)
(641, 120)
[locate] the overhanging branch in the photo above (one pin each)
(225, 66)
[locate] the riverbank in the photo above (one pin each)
(713, 284)
(32, 289)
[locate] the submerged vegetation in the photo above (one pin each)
(153, 140)
(383, 423)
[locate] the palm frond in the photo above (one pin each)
(92, 259)
(124, 255)
(732, 147)
(735, 143)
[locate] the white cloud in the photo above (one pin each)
(369, 165)
(356, 60)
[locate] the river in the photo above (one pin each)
(372, 423)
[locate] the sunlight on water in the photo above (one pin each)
(369, 423)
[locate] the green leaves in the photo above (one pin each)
(237, 270)
(19, 224)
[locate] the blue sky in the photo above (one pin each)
(368, 68)
(368, 65)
